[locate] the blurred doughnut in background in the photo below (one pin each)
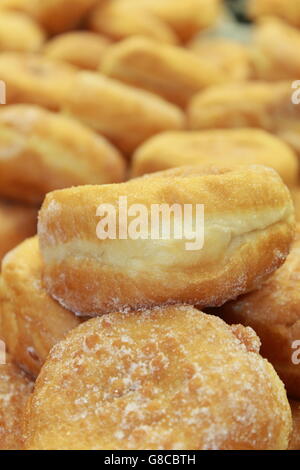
(17, 222)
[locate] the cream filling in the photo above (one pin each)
(222, 237)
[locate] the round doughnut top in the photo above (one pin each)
(170, 378)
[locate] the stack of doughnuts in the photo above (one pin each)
(149, 244)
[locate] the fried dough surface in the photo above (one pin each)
(171, 378)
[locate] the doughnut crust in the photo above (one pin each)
(35, 79)
(169, 71)
(32, 322)
(83, 49)
(15, 389)
(248, 227)
(295, 438)
(125, 115)
(56, 16)
(286, 10)
(273, 311)
(165, 379)
(18, 32)
(118, 21)
(275, 50)
(226, 147)
(249, 104)
(231, 57)
(186, 17)
(17, 222)
(42, 151)
(296, 199)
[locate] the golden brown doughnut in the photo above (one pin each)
(295, 438)
(259, 104)
(172, 72)
(169, 378)
(119, 21)
(288, 10)
(17, 222)
(18, 32)
(56, 16)
(226, 147)
(273, 311)
(275, 50)
(35, 79)
(231, 57)
(125, 115)
(83, 49)
(32, 322)
(15, 389)
(296, 199)
(41, 151)
(186, 17)
(249, 224)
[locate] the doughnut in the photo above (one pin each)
(15, 389)
(229, 146)
(143, 381)
(259, 104)
(288, 10)
(296, 199)
(56, 16)
(83, 49)
(172, 72)
(42, 151)
(231, 57)
(32, 322)
(248, 227)
(273, 311)
(35, 79)
(119, 21)
(295, 438)
(18, 32)
(275, 50)
(125, 115)
(186, 17)
(17, 222)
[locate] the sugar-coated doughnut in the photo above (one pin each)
(35, 79)
(32, 322)
(170, 71)
(226, 147)
(170, 378)
(83, 49)
(248, 227)
(15, 389)
(18, 32)
(17, 222)
(273, 311)
(186, 17)
(118, 21)
(42, 151)
(266, 105)
(56, 16)
(231, 57)
(275, 50)
(125, 115)
(288, 10)
(295, 438)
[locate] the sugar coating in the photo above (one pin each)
(170, 378)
